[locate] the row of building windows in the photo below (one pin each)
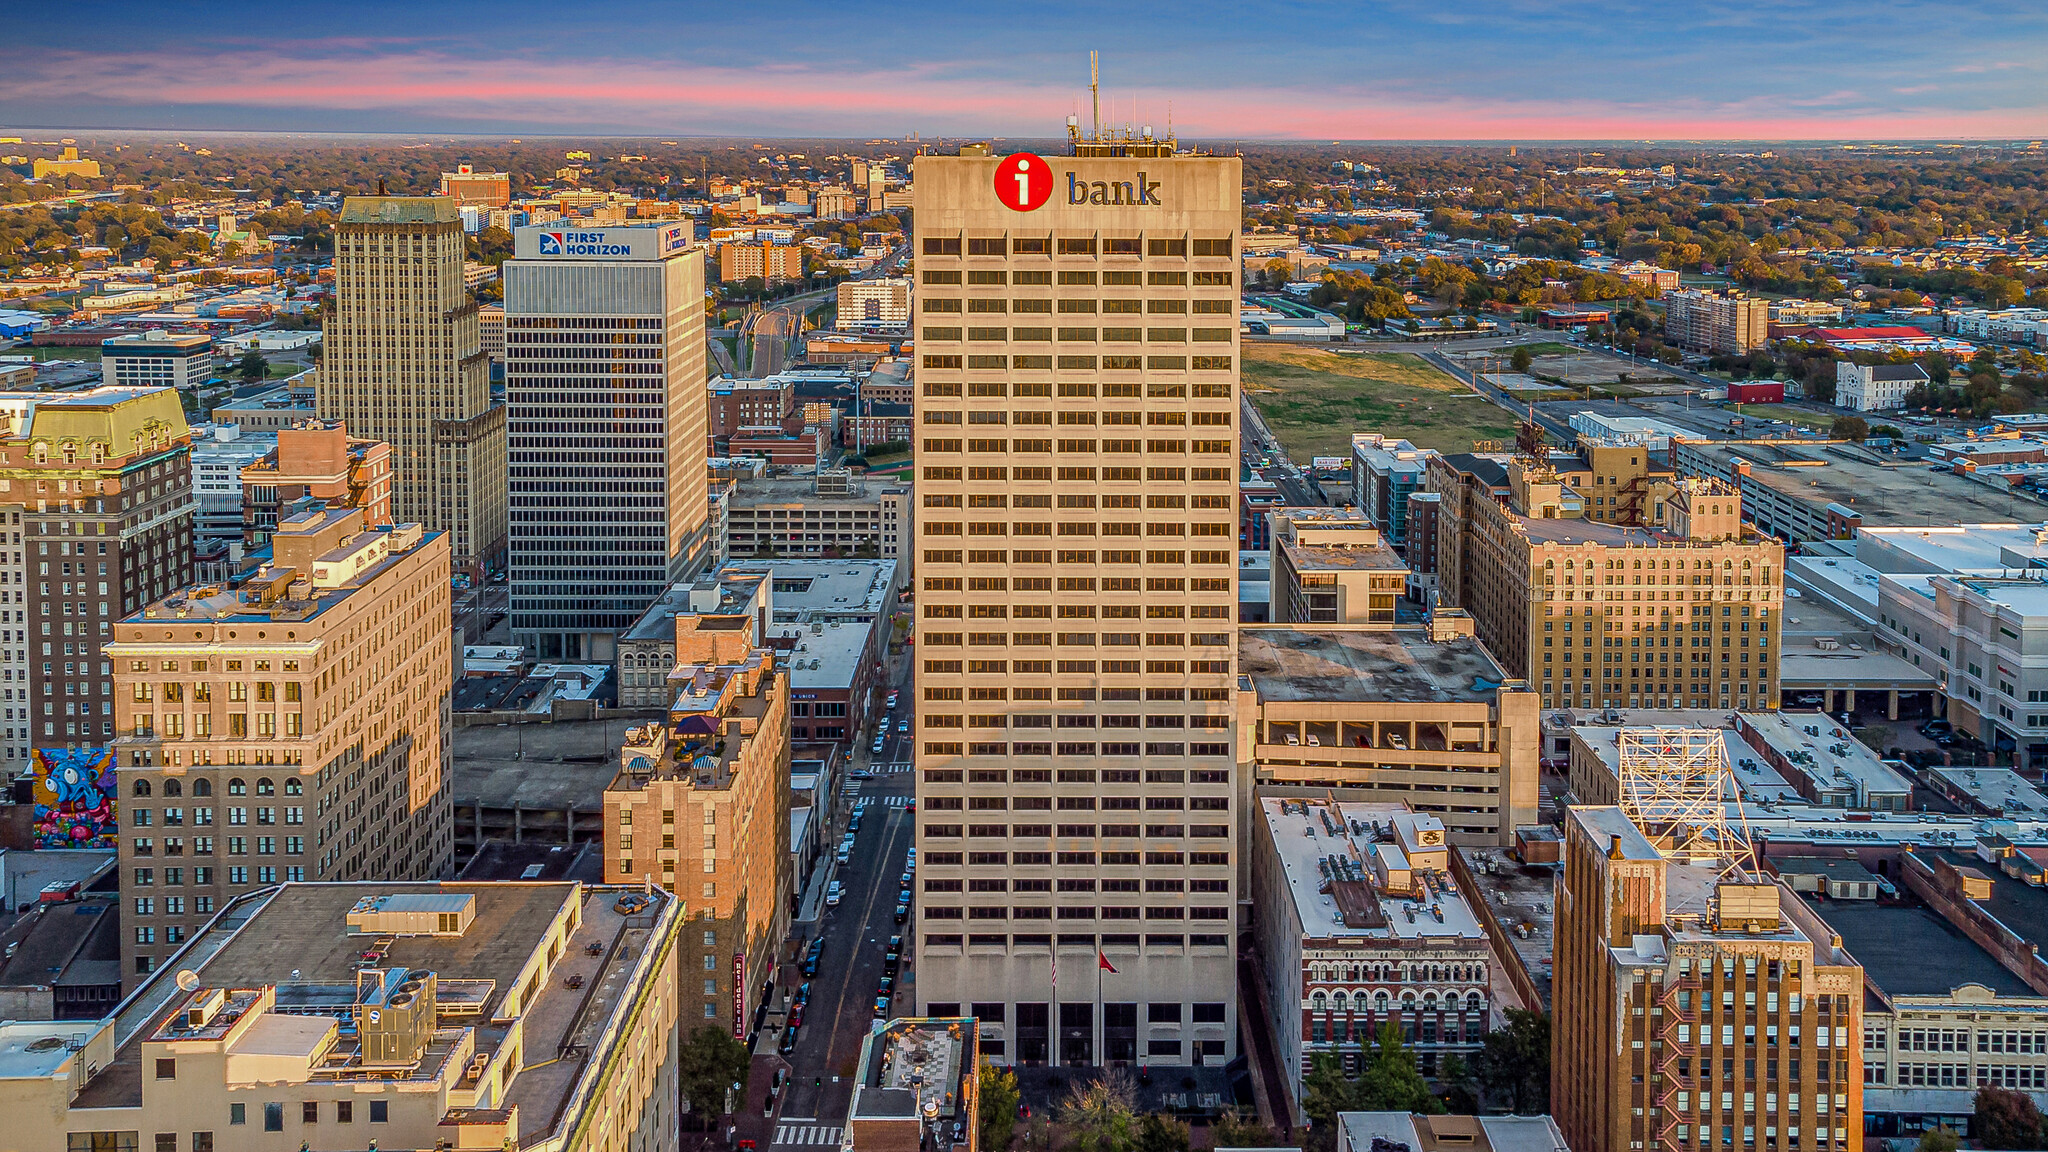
(1165, 857)
(1069, 363)
(1071, 277)
(1074, 912)
(1076, 776)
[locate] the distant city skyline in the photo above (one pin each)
(1526, 69)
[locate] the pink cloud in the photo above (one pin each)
(708, 99)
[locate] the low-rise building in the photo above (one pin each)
(272, 408)
(832, 513)
(1828, 766)
(1802, 492)
(879, 305)
(917, 1085)
(1404, 713)
(1383, 1131)
(1333, 566)
(1360, 926)
(1874, 387)
(274, 1028)
(701, 806)
(157, 359)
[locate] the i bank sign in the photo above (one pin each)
(1024, 182)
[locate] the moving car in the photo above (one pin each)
(903, 727)
(891, 705)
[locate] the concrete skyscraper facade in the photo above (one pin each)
(404, 363)
(1076, 548)
(604, 376)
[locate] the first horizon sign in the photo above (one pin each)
(564, 241)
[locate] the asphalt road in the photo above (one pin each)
(840, 1010)
(1258, 441)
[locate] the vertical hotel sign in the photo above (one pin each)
(739, 995)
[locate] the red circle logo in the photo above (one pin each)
(1023, 181)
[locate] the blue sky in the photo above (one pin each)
(1507, 69)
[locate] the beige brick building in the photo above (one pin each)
(1076, 553)
(405, 364)
(772, 263)
(1696, 1007)
(1719, 321)
(1681, 608)
(291, 726)
(495, 1015)
(701, 806)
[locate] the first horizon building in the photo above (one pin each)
(1077, 322)
(604, 378)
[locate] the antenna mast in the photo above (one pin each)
(1095, 93)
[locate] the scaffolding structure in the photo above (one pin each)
(1676, 786)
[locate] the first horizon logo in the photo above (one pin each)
(580, 244)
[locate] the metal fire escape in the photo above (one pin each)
(1678, 1042)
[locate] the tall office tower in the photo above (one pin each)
(1076, 546)
(405, 364)
(97, 509)
(292, 725)
(604, 377)
(1697, 1005)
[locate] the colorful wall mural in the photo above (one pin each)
(74, 796)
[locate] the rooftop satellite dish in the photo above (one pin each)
(187, 979)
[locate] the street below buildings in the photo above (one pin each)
(839, 1008)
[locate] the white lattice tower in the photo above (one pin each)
(1676, 786)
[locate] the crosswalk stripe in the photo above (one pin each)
(806, 1134)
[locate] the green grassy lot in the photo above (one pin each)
(1756, 412)
(1313, 401)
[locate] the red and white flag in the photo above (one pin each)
(1102, 962)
